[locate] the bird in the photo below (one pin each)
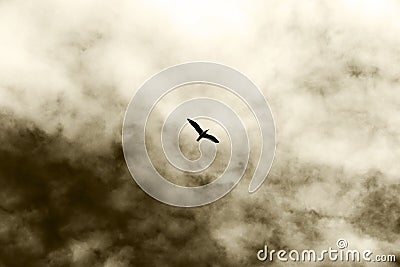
(202, 134)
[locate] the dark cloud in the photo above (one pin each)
(59, 211)
(62, 206)
(378, 212)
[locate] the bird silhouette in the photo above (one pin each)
(202, 134)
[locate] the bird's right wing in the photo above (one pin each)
(211, 137)
(195, 126)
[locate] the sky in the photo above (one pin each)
(330, 71)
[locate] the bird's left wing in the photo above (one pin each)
(195, 126)
(212, 138)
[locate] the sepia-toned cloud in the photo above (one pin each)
(329, 70)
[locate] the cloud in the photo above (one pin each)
(68, 69)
